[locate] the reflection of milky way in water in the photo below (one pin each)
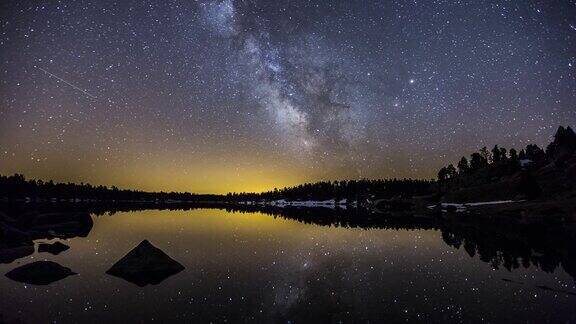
(256, 267)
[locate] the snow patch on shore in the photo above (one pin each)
(331, 203)
(462, 207)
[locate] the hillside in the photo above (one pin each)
(500, 175)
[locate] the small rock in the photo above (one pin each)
(145, 265)
(54, 248)
(40, 273)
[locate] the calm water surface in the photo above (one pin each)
(257, 268)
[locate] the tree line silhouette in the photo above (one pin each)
(563, 146)
(18, 187)
(497, 156)
(499, 161)
(338, 190)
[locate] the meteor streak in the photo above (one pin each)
(68, 83)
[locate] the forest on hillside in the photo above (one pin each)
(527, 172)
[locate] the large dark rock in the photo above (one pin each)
(40, 273)
(54, 248)
(145, 265)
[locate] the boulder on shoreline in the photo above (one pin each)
(12, 252)
(14, 244)
(145, 265)
(18, 233)
(40, 273)
(33, 225)
(62, 225)
(54, 248)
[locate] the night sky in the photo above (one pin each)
(218, 96)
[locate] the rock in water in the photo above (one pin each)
(145, 265)
(54, 248)
(14, 244)
(62, 225)
(10, 253)
(40, 273)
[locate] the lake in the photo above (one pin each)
(254, 267)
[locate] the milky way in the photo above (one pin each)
(249, 95)
(300, 89)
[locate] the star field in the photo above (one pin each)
(217, 96)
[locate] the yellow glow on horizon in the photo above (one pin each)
(203, 178)
(210, 171)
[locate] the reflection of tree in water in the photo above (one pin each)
(510, 245)
(502, 244)
(514, 246)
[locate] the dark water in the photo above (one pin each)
(252, 267)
